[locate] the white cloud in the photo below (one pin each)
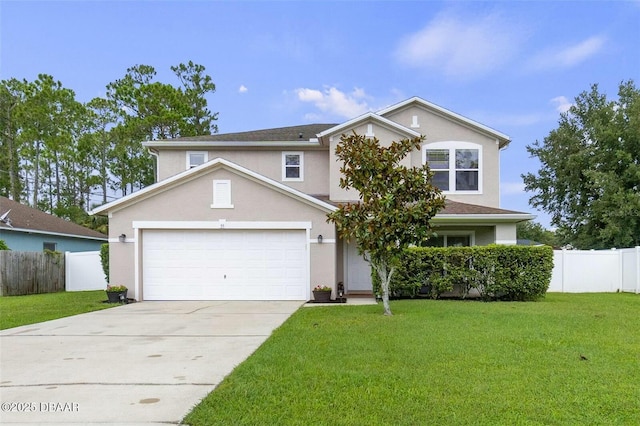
(243, 89)
(460, 48)
(512, 188)
(561, 103)
(332, 101)
(568, 56)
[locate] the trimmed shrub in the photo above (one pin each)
(3, 245)
(494, 272)
(104, 260)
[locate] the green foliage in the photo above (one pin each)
(56, 152)
(104, 260)
(396, 202)
(494, 272)
(3, 245)
(590, 169)
(116, 288)
(533, 231)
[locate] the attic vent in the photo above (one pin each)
(370, 130)
(414, 122)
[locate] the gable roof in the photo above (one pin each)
(369, 117)
(202, 169)
(448, 114)
(27, 219)
(292, 135)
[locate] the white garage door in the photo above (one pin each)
(224, 265)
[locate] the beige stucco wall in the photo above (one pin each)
(383, 134)
(437, 128)
(506, 234)
(191, 201)
(266, 162)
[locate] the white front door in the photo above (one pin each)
(194, 264)
(358, 271)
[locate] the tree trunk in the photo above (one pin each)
(385, 275)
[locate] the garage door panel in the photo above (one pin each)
(225, 265)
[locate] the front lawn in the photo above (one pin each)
(23, 310)
(567, 359)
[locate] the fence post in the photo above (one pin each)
(564, 268)
(67, 271)
(637, 269)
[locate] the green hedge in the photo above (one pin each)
(494, 272)
(104, 260)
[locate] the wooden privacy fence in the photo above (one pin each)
(26, 272)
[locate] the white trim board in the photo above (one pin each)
(220, 224)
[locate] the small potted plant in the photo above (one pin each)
(116, 293)
(322, 293)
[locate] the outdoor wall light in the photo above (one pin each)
(122, 238)
(320, 239)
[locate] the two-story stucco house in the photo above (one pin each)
(242, 216)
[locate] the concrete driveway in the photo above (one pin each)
(143, 363)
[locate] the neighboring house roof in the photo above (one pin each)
(304, 134)
(27, 219)
(443, 112)
(196, 172)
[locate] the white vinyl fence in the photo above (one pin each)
(590, 271)
(84, 271)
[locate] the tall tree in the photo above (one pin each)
(195, 86)
(589, 178)
(396, 202)
(12, 94)
(151, 110)
(533, 231)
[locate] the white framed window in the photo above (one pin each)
(452, 239)
(49, 245)
(221, 194)
(457, 166)
(293, 166)
(195, 158)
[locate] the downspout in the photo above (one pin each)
(154, 153)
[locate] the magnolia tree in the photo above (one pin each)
(395, 207)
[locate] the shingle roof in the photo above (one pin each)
(290, 134)
(25, 217)
(451, 207)
(456, 207)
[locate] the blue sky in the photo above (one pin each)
(513, 66)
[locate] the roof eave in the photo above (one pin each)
(481, 218)
(59, 234)
(313, 142)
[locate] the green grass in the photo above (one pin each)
(23, 310)
(442, 362)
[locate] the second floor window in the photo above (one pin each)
(195, 158)
(292, 166)
(456, 166)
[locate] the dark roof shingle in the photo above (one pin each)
(25, 217)
(281, 134)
